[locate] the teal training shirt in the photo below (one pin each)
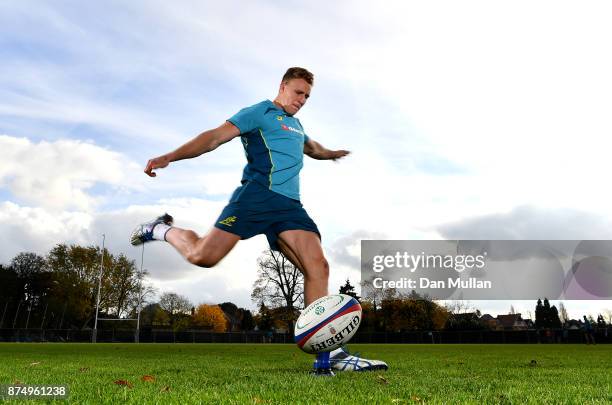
(274, 146)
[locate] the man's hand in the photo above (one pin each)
(315, 150)
(338, 154)
(156, 163)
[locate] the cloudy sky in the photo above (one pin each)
(466, 121)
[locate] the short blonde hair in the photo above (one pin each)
(298, 73)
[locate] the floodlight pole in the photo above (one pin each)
(94, 335)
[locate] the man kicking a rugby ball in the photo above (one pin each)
(267, 202)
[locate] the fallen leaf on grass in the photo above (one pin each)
(36, 363)
(148, 378)
(382, 380)
(415, 398)
(124, 382)
(17, 382)
(258, 401)
(84, 369)
(165, 389)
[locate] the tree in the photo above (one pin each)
(608, 313)
(377, 295)
(233, 314)
(26, 263)
(264, 318)
(460, 307)
(279, 283)
(539, 315)
(9, 283)
(348, 289)
(123, 284)
(210, 317)
(247, 323)
(60, 290)
(31, 270)
(176, 306)
(371, 321)
(77, 269)
(407, 313)
(140, 297)
(153, 315)
(238, 318)
(465, 321)
(546, 319)
(563, 313)
(284, 318)
(554, 320)
(546, 316)
(11, 293)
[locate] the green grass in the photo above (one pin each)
(271, 374)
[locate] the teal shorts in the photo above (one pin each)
(253, 209)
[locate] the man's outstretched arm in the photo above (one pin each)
(317, 151)
(205, 142)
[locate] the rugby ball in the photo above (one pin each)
(327, 323)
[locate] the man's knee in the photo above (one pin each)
(318, 268)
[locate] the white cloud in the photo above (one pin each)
(35, 229)
(56, 175)
(528, 222)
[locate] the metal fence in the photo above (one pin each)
(198, 336)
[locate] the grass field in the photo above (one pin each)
(271, 374)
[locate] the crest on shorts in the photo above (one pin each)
(279, 117)
(228, 221)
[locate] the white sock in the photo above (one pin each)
(159, 232)
(335, 352)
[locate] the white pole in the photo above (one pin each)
(94, 336)
(139, 296)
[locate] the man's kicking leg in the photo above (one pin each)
(206, 251)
